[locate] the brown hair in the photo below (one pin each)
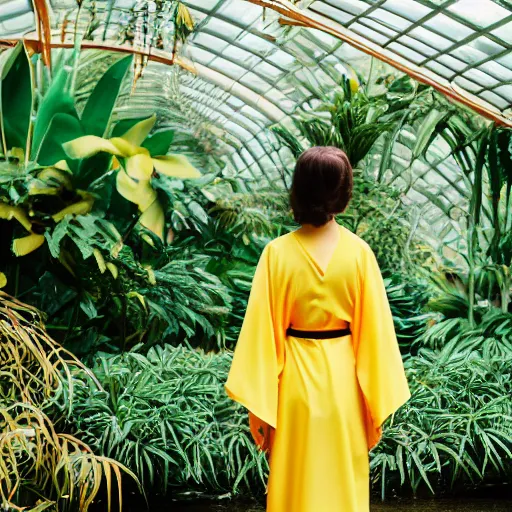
(322, 185)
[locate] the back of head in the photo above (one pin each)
(322, 185)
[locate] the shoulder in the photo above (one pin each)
(363, 253)
(279, 244)
(357, 244)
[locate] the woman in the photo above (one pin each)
(317, 363)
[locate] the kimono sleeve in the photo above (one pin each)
(258, 360)
(379, 366)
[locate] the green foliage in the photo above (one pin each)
(166, 416)
(98, 110)
(353, 124)
(408, 302)
(40, 467)
(16, 100)
(456, 429)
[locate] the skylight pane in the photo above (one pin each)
(369, 33)
(406, 52)
(485, 45)
(481, 13)
(424, 49)
(333, 13)
(430, 38)
(494, 99)
(409, 9)
(448, 27)
(506, 91)
(504, 33)
(390, 20)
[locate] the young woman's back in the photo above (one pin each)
(318, 366)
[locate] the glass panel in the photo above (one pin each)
(255, 83)
(256, 44)
(494, 99)
(242, 57)
(390, 20)
(485, 45)
(200, 55)
(282, 59)
(354, 7)
(378, 27)
(242, 13)
(469, 54)
(207, 41)
(369, 33)
(333, 13)
(204, 4)
(433, 40)
(506, 91)
(268, 71)
(226, 30)
(228, 68)
(506, 60)
(18, 26)
(447, 27)
(406, 52)
(504, 33)
(425, 50)
(497, 71)
(197, 16)
(451, 62)
(409, 9)
(480, 78)
(482, 13)
(467, 84)
(440, 69)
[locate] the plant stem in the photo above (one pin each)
(76, 52)
(471, 277)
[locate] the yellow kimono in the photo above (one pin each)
(327, 398)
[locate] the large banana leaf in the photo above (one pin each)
(57, 100)
(63, 128)
(100, 105)
(16, 98)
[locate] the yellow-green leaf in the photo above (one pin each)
(62, 165)
(139, 297)
(3, 280)
(81, 208)
(8, 212)
(141, 193)
(139, 167)
(151, 275)
(153, 219)
(175, 166)
(113, 270)
(137, 133)
(57, 175)
(127, 149)
(90, 145)
(27, 244)
(99, 260)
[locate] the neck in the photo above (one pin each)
(325, 227)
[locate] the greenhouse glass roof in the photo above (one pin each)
(249, 64)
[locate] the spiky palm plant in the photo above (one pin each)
(41, 468)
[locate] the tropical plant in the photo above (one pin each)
(166, 416)
(353, 123)
(76, 157)
(408, 300)
(40, 468)
(456, 429)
